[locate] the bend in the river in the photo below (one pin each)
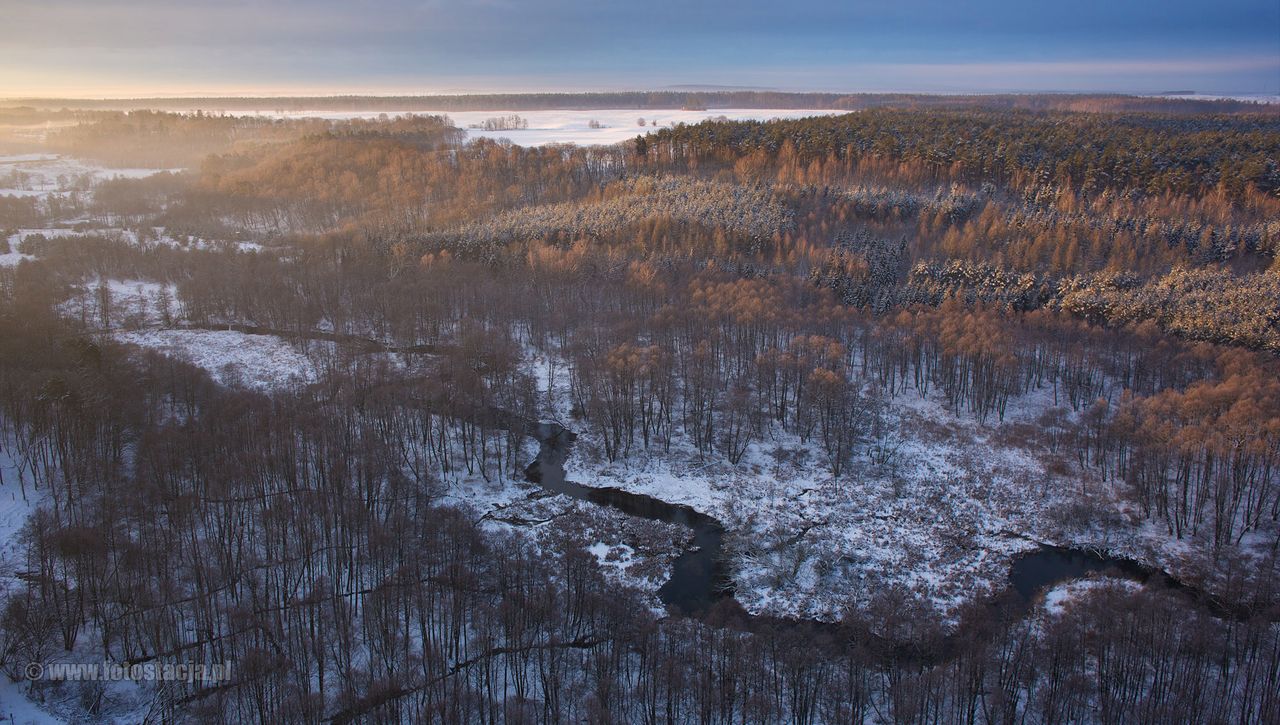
(700, 578)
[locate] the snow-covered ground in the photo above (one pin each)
(50, 702)
(942, 517)
(147, 314)
(548, 127)
(16, 706)
(40, 175)
(1058, 599)
(1248, 97)
(633, 553)
(157, 237)
(51, 233)
(570, 126)
(130, 303)
(13, 258)
(260, 362)
(18, 500)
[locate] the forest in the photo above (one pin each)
(682, 98)
(305, 396)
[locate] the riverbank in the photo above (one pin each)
(939, 520)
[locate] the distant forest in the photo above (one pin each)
(644, 100)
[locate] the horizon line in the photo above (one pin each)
(684, 88)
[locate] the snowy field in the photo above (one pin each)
(146, 314)
(13, 258)
(39, 175)
(548, 127)
(1247, 97)
(553, 127)
(260, 362)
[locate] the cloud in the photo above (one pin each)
(438, 43)
(1072, 67)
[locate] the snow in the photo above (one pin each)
(26, 158)
(936, 520)
(17, 708)
(573, 126)
(23, 702)
(633, 553)
(50, 233)
(18, 500)
(258, 362)
(13, 258)
(1248, 97)
(159, 237)
(1057, 600)
(132, 303)
(943, 518)
(553, 127)
(40, 175)
(144, 313)
(23, 193)
(15, 509)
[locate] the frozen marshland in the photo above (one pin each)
(584, 128)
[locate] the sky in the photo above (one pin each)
(114, 48)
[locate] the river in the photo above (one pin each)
(700, 577)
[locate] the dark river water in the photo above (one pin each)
(700, 578)
(1041, 569)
